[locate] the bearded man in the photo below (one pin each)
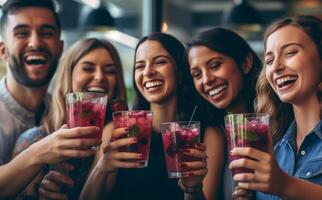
(31, 47)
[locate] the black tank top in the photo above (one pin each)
(150, 183)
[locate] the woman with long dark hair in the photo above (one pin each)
(163, 85)
(224, 69)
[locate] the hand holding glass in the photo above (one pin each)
(176, 137)
(246, 130)
(139, 125)
(86, 109)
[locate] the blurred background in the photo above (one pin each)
(125, 21)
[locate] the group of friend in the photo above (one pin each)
(217, 71)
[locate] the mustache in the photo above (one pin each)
(37, 50)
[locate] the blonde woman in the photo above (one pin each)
(289, 90)
(90, 65)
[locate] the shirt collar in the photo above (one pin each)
(318, 129)
(18, 110)
(290, 133)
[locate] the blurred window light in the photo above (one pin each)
(165, 27)
(122, 38)
(92, 3)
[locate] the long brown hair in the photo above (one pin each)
(267, 101)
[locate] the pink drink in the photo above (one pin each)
(176, 137)
(246, 130)
(86, 109)
(139, 124)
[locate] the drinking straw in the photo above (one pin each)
(193, 113)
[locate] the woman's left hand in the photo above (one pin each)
(195, 170)
(267, 176)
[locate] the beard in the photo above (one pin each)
(19, 73)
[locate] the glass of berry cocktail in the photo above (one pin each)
(139, 124)
(86, 109)
(246, 130)
(176, 137)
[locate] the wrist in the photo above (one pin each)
(103, 168)
(288, 189)
(190, 189)
(193, 189)
(36, 158)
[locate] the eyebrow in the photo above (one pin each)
(284, 47)
(208, 61)
(159, 56)
(20, 26)
(49, 26)
(91, 63)
(44, 26)
(214, 58)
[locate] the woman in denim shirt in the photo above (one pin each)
(289, 91)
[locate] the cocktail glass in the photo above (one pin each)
(139, 124)
(176, 137)
(246, 130)
(86, 109)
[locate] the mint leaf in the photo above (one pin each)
(85, 113)
(195, 140)
(134, 131)
(250, 136)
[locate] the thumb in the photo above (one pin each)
(64, 126)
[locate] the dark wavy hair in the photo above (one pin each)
(186, 93)
(232, 45)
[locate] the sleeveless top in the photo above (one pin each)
(148, 183)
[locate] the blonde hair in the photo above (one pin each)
(267, 101)
(63, 82)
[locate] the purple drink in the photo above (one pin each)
(176, 137)
(246, 130)
(139, 124)
(118, 105)
(86, 109)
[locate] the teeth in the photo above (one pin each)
(35, 57)
(96, 89)
(217, 90)
(153, 84)
(282, 80)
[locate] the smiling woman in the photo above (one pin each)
(162, 84)
(154, 72)
(89, 65)
(224, 69)
(289, 90)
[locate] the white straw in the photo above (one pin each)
(193, 112)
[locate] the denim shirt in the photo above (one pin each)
(306, 163)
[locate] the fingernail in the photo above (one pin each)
(140, 156)
(135, 139)
(126, 129)
(187, 151)
(184, 165)
(190, 174)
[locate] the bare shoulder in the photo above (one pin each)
(213, 130)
